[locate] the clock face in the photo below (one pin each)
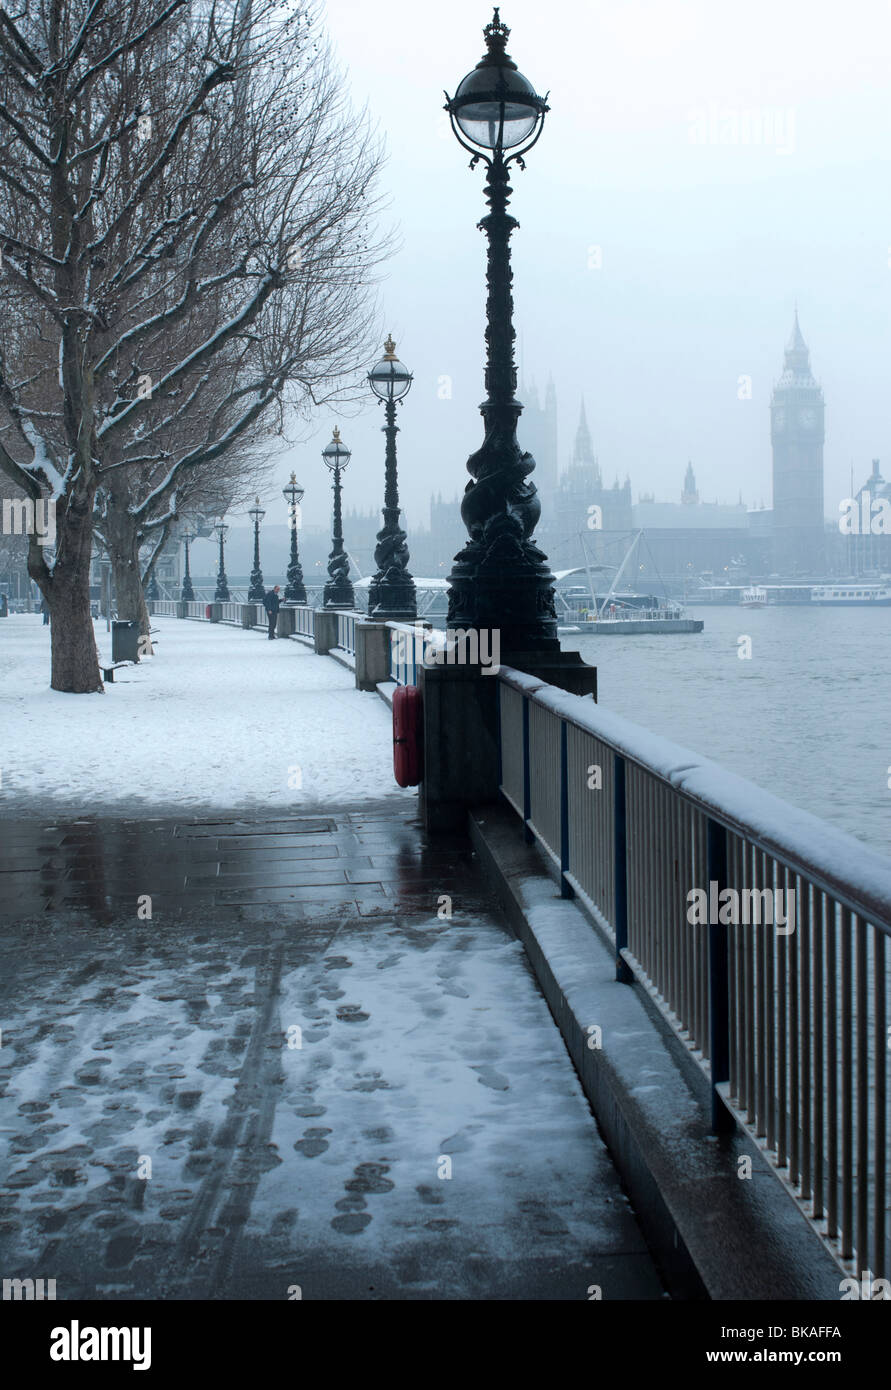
(807, 419)
(779, 420)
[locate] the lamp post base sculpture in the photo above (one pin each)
(391, 593)
(338, 592)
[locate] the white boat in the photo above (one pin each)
(852, 593)
(755, 597)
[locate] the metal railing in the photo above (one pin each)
(164, 607)
(408, 642)
(303, 620)
(346, 631)
(784, 1001)
(406, 653)
(196, 608)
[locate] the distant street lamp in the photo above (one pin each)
(295, 590)
(338, 590)
(187, 593)
(501, 579)
(391, 594)
(256, 589)
(221, 594)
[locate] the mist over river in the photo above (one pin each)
(808, 716)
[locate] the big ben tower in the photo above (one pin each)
(796, 434)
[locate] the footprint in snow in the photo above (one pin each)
(492, 1078)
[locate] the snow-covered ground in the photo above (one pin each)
(219, 717)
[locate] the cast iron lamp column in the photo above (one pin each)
(338, 590)
(295, 590)
(256, 590)
(391, 593)
(501, 579)
(187, 594)
(221, 594)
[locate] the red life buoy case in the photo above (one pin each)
(408, 736)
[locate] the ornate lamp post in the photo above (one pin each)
(338, 590)
(256, 590)
(295, 590)
(391, 594)
(221, 594)
(152, 590)
(187, 593)
(500, 579)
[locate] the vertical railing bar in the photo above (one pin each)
(831, 1067)
(718, 1012)
(703, 963)
(677, 916)
(623, 971)
(805, 1039)
(819, 1017)
(770, 991)
(527, 775)
(782, 995)
(565, 889)
(862, 1177)
(847, 1080)
(880, 1264)
(751, 1015)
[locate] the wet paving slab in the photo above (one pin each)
(244, 1057)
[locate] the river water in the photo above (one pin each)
(807, 716)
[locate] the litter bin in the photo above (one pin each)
(124, 641)
(208, 611)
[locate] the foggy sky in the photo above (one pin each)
(705, 246)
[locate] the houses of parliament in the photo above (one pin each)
(688, 538)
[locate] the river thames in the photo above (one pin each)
(808, 715)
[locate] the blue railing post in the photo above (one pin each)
(527, 776)
(718, 981)
(565, 888)
(620, 865)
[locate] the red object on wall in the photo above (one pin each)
(207, 611)
(408, 736)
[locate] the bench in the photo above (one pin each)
(108, 671)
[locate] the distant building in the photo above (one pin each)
(796, 432)
(537, 433)
(583, 509)
(868, 550)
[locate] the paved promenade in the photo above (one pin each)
(322, 1064)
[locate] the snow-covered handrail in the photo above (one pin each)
(855, 875)
(760, 932)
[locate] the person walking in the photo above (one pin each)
(44, 608)
(272, 603)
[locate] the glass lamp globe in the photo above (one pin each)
(495, 106)
(293, 492)
(390, 380)
(336, 454)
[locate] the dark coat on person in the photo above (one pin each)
(271, 602)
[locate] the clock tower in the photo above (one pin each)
(796, 436)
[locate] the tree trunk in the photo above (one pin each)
(122, 537)
(75, 661)
(132, 606)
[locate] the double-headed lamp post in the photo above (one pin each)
(256, 590)
(338, 590)
(501, 579)
(391, 594)
(188, 593)
(221, 594)
(295, 589)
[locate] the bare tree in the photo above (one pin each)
(187, 208)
